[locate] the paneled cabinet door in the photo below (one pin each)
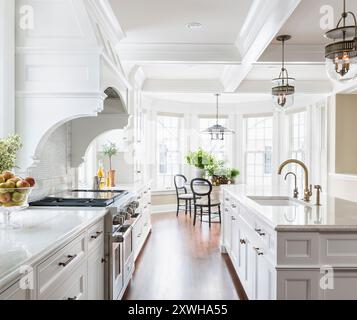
(264, 279)
(247, 267)
(96, 274)
(235, 241)
(227, 229)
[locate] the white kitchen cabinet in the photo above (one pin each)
(74, 287)
(16, 293)
(96, 274)
(287, 264)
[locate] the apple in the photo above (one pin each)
(8, 175)
(5, 198)
(31, 181)
(18, 197)
(3, 187)
(22, 184)
(10, 184)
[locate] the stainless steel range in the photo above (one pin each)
(119, 257)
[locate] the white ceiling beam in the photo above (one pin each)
(263, 23)
(182, 86)
(179, 53)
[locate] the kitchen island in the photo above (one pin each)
(283, 248)
(49, 256)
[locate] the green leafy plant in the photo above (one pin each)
(200, 159)
(110, 150)
(233, 173)
(9, 147)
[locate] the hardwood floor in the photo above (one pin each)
(182, 262)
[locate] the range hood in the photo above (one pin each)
(84, 130)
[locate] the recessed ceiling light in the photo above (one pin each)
(194, 25)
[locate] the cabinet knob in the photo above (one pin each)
(234, 218)
(234, 206)
(242, 241)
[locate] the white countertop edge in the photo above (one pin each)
(14, 275)
(293, 228)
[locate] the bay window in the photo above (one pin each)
(218, 148)
(169, 150)
(259, 151)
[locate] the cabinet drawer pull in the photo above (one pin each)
(226, 210)
(259, 231)
(234, 219)
(227, 199)
(98, 234)
(139, 235)
(72, 299)
(259, 253)
(242, 241)
(234, 206)
(70, 259)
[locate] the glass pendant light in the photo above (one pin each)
(283, 87)
(341, 54)
(217, 131)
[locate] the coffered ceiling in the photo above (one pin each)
(234, 51)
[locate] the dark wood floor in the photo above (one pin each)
(182, 262)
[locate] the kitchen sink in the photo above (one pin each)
(277, 201)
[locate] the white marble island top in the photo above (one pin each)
(42, 230)
(334, 215)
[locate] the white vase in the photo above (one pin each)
(200, 173)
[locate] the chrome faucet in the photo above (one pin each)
(308, 188)
(296, 190)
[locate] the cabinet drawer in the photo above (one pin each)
(73, 288)
(338, 249)
(61, 263)
(96, 235)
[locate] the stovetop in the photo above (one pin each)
(81, 198)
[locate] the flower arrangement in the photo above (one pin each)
(213, 168)
(9, 147)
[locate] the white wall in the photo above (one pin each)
(7, 67)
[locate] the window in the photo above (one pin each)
(169, 150)
(216, 148)
(259, 151)
(298, 143)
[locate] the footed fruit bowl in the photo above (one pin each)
(12, 200)
(14, 195)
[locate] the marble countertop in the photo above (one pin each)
(334, 215)
(41, 232)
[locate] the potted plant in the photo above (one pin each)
(9, 148)
(110, 150)
(200, 160)
(233, 173)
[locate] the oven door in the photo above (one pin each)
(128, 255)
(117, 269)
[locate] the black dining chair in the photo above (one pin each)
(203, 202)
(182, 194)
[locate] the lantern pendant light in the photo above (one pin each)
(283, 87)
(341, 54)
(217, 131)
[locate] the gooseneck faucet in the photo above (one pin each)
(296, 190)
(308, 188)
